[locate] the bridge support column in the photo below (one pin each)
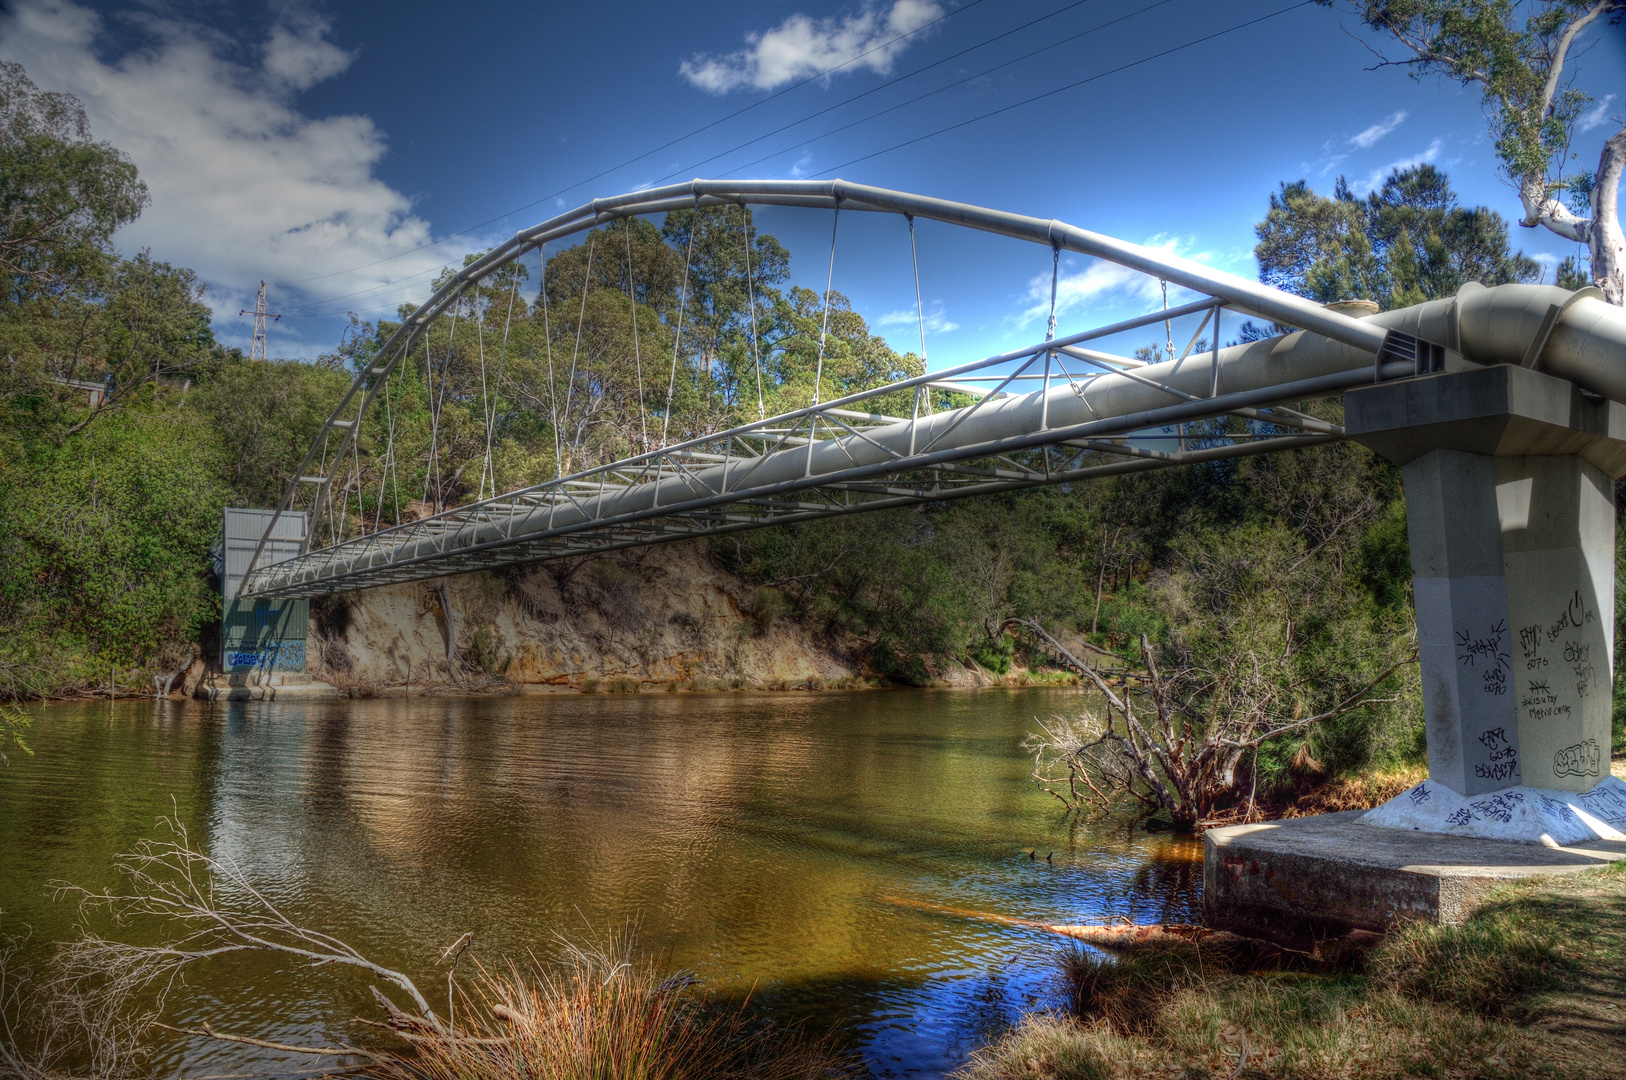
(1510, 512)
(262, 642)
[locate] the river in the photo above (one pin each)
(763, 841)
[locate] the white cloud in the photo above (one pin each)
(1099, 282)
(1597, 116)
(301, 59)
(1375, 178)
(244, 186)
(1369, 138)
(936, 321)
(802, 46)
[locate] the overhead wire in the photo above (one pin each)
(664, 146)
(920, 70)
(1063, 89)
(878, 113)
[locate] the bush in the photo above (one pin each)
(994, 655)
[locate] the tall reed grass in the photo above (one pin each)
(605, 1013)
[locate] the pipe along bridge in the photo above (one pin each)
(1056, 411)
(1503, 405)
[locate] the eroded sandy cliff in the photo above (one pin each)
(652, 616)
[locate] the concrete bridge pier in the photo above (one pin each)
(262, 642)
(1510, 509)
(1509, 489)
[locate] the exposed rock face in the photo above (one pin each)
(653, 615)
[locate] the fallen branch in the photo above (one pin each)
(204, 1031)
(1133, 936)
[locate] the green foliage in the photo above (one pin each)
(1404, 243)
(1570, 274)
(61, 195)
(1515, 53)
(263, 413)
(104, 555)
(993, 655)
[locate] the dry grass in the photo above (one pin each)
(1534, 985)
(605, 1014)
(1354, 792)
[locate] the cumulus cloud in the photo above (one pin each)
(1370, 137)
(1374, 179)
(937, 322)
(1597, 116)
(802, 46)
(244, 186)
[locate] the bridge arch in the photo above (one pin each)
(763, 473)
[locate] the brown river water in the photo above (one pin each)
(763, 841)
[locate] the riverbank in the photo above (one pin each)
(1532, 985)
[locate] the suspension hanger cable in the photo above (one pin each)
(392, 470)
(677, 341)
(751, 299)
(824, 329)
(436, 406)
(824, 326)
(581, 318)
(434, 421)
(547, 339)
(920, 307)
(637, 358)
(485, 397)
(496, 394)
(1055, 272)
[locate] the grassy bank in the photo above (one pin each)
(1534, 985)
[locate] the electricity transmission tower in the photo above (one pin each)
(256, 348)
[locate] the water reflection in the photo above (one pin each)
(753, 837)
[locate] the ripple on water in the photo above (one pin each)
(752, 837)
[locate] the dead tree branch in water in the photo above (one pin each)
(219, 913)
(1175, 744)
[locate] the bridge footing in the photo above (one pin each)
(1314, 879)
(265, 686)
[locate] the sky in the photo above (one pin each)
(345, 153)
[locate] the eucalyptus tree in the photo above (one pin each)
(1405, 242)
(1522, 57)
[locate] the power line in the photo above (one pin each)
(955, 126)
(1069, 86)
(811, 116)
(922, 97)
(647, 153)
(902, 78)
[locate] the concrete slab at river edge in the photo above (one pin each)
(1314, 878)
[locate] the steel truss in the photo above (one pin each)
(1082, 413)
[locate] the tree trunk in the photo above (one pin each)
(1606, 241)
(1601, 233)
(1542, 207)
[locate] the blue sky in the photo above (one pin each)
(323, 147)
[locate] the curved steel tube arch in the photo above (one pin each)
(637, 500)
(1237, 292)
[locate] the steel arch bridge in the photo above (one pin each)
(1056, 411)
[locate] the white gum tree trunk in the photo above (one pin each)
(1604, 238)
(1601, 233)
